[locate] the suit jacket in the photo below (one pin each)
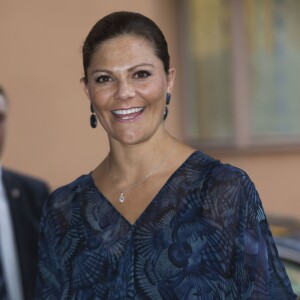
(25, 197)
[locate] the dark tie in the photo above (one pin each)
(3, 294)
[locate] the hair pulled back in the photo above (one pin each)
(120, 23)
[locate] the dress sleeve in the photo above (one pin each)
(50, 275)
(270, 280)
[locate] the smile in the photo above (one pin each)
(127, 114)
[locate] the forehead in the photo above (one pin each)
(126, 39)
(124, 49)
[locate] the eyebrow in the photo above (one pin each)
(129, 69)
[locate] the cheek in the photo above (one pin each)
(154, 93)
(98, 99)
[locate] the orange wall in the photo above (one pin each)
(49, 134)
(40, 68)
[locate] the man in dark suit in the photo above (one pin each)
(21, 199)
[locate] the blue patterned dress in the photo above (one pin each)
(204, 236)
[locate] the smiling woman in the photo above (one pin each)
(127, 86)
(156, 219)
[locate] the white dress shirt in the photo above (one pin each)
(8, 249)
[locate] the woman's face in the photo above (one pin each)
(127, 86)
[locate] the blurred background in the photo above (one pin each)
(236, 95)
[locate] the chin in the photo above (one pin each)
(131, 139)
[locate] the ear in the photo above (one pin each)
(84, 86)
(170, 79)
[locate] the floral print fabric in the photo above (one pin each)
(204, 236)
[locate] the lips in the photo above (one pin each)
(128, 114)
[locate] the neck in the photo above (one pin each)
(129, 163)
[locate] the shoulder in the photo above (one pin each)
(222, 181)
(63, 200)
(225, 192)
(24, 180)
(71, 190)
(80, 183)
(213, 169)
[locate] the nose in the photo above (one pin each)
(125, 90)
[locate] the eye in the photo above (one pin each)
(142, 74)
(103, 78)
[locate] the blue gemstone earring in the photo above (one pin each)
(93, 118)
(168, 98)
(166, 112)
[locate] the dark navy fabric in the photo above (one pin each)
(3, 292)
(204, 236)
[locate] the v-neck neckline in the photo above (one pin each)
(157, 196)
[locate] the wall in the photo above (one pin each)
(49, 133)
(40, 68)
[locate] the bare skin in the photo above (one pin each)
(127, 86)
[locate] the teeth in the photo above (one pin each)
(127, 111)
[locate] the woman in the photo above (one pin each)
(156, 219)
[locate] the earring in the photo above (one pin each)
(168, 98)
(166, 112)
(93, 118)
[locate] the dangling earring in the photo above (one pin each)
(168, 99)
(93, 118)
(166, 112)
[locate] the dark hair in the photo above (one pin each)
(123, 22)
